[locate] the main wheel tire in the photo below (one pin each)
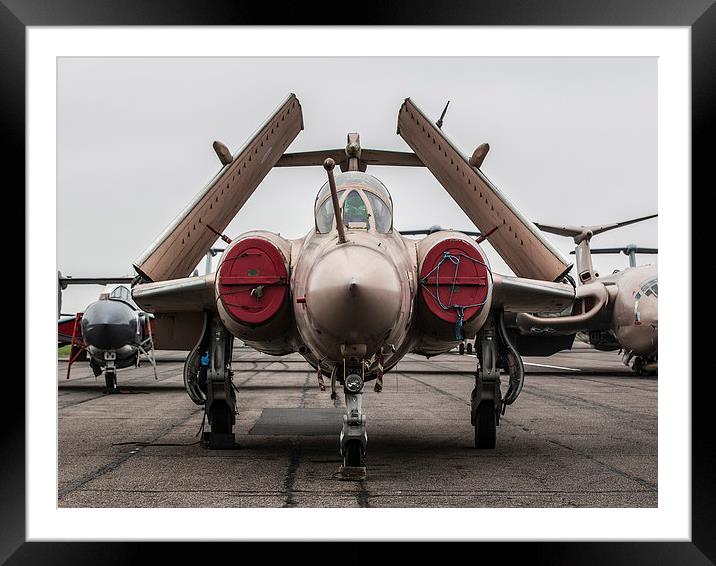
(461, 348)
(638, 366)
(110, 380)
(353, 454)
(221, 420)
(469, 347)
(486, 425)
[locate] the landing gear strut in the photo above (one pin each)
(486, 396)
(110, 373)
(353, 439)
(220, 404)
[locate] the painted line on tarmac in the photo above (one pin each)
(551, 367)
(533, 364)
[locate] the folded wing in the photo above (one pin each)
(517, 240)
(177, 251)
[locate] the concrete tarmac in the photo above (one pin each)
(583, 433)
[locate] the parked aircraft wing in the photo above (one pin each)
(189, 294)
(516, 294)
(395, 158)
(560, 230)
(588, 231)
(604, 227)
(517, 240)
(625, 250)
(308, 158)
(69, 280)
(367, 157)
(184, 243)
(427, 231)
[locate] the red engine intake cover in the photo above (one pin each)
(253, 281)
(470, 279)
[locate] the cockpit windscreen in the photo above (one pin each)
(365, 204)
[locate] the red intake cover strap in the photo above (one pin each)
(470, 279)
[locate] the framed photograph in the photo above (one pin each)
(551, 129)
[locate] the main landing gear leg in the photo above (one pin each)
(220, 396)
(353, 439)
(486, 397)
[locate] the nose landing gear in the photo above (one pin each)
(644, 365)
(110, 373)
(354, 438)
(110, 380)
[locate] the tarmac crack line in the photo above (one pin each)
(608, 383)
(68, 405)
(565, 399)
(456, 397)
(95, 377)
(568, 374)
(295, 458)
(362, 495)
(650, 486)
(569, 400)
(75, 485)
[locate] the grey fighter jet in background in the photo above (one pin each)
(112, 332)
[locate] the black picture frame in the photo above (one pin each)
(17, 15)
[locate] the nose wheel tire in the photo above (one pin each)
(353, 454)
(486, 425)
(110, 380)
(461, 348)
(469, 347)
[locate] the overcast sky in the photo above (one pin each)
(573, 140)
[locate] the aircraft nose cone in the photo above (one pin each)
(108, 325)
(642, 336)
(353, 294)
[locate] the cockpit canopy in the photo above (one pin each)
(650, 287)
(120, 292)
(364, 201)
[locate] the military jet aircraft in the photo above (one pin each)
(627, 317)
(113, 331)
(353, 296)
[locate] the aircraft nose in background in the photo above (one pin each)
(353, 294)
(108, 324)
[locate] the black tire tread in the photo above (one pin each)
(353, 453)
(486, 425)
